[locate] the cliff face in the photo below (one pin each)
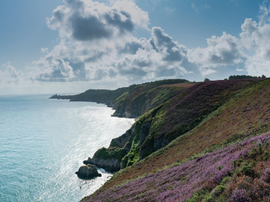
(201, 138)
(130, 102)
(180, 114)
(198, 139)
(127, 148)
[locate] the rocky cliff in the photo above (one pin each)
(208, 143)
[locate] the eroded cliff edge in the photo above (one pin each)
(227, 149)
(158, 126)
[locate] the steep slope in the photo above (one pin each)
(144, 97)
(158, 127)
(245, 113)
(111, 159)
(216, 176)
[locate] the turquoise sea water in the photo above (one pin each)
(43, 143)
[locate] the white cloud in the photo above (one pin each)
(87, 20)
(256, 39)
(9, 75)
(97, 43)
(221, 51)
(44, 50)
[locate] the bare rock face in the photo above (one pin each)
(110, 165)
(88, 172)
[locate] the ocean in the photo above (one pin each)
(43, 142)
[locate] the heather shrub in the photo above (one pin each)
(244, 182)
(239, 196)
(266, 175)
(227, 174)
(244, 153)
(260, 189)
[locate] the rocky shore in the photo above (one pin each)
(129, 102)
(88, 172)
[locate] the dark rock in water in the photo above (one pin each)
(110, 165)
(88, 161)
(88, 172)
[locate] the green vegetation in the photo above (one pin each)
(188, 123)
(144, 97)
(233, 77)
(110, 153)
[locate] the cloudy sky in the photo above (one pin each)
(69, 46)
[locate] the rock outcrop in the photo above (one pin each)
(110, 165)
(88, 172)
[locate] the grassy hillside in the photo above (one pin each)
(158, 127)
(143, 97)
(125, 149)
(207, 117)
(216, 176)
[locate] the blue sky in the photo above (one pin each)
(56, 46)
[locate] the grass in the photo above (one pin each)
(144, 97)
(236, 113)
(200, 179)
(218, 130)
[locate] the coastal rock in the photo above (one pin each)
(88, 172)
(110, 165)
(122, 141)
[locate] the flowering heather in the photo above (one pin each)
(179, 183)
(185, 111)
(244, 115)
(239, 196)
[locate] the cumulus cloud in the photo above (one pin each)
(92, 37)
(97, 43)
(256, 38)
(8, 74)
(53, 69)
(221, 51)
(87, 20)
(156, 57)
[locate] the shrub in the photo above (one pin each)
(239, 196)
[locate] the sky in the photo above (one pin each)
(69, 46)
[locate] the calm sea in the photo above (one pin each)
(43, 143)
